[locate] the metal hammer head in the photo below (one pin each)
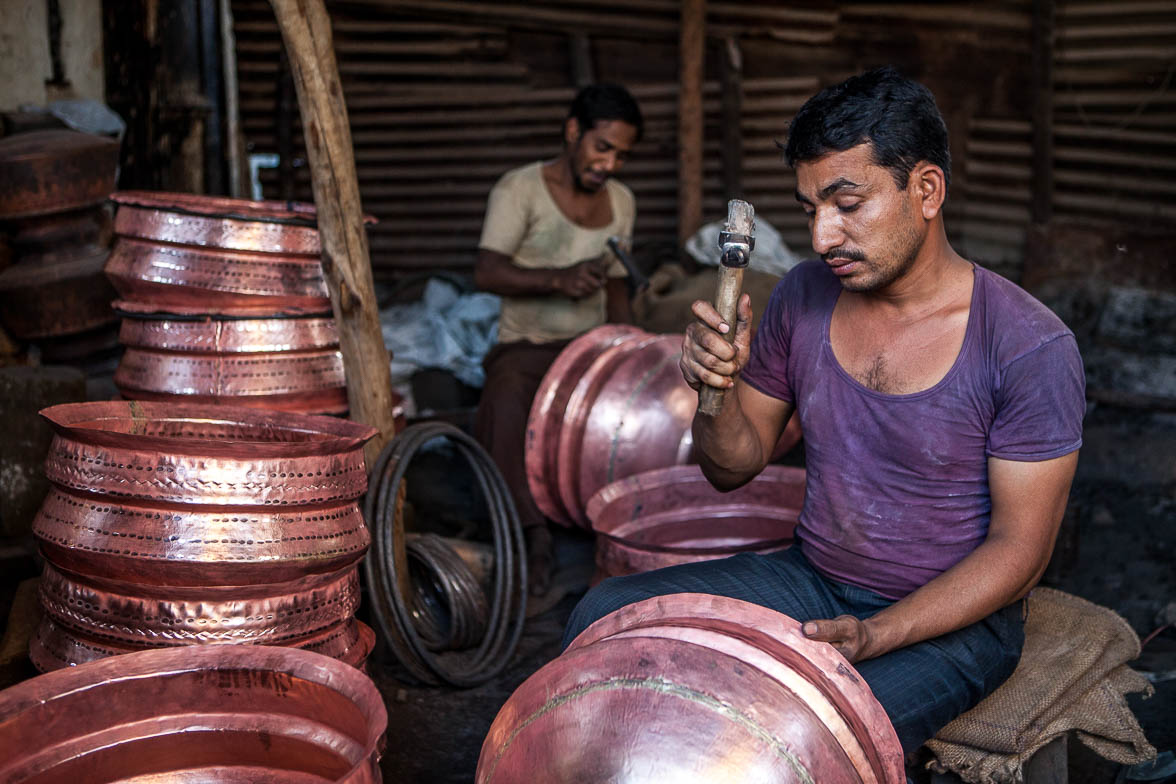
(738, 237)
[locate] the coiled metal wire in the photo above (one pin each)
(432, 649)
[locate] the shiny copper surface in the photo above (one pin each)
(176, 524)
(160, 278)
(138, 615)
(199, 713)
(303, 381)
(617, 406)
(673, 515)
(230, 336)
(53, 171)
(692, 687)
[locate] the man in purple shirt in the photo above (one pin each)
(942, 411)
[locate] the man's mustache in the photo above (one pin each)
(847, 254)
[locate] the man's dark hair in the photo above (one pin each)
(898, 116)
(598, 102)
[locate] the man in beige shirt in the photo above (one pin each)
(544, 251)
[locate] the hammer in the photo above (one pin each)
(737, 240)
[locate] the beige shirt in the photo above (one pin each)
(523, 222)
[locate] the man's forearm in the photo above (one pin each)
(506, 279)
(727, 446)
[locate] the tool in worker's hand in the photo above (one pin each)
(736, 240)
(637, 282)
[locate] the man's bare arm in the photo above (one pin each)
(498, 274)
(618, 306)
(1028, 501)
(735, 445)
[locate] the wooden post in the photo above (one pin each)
(692, 55)
(580, 59)
(1042, 86)
(235, 139)
(731, 99)
(306, 33)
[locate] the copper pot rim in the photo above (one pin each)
(212, 335)
(163, 663)
(296, 213)
(134, 308)
(322, 435)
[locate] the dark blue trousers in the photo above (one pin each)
(922, 687)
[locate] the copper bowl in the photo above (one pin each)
(224, 713)
(53, 171)
(616, 406)
(673, 515)
(184, 253)
(692, 687)
(229, 336)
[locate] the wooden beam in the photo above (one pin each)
(692, 59)
(306, 32)
(580, 59)
(1043, 109)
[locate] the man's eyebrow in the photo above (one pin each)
(839, 184)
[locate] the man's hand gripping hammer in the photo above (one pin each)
(737, 241)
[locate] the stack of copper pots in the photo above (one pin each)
(230, 714)
(224, 301)
(52, 207)
(673, 515)
(613, 404)
(175, 524)
(692, 687)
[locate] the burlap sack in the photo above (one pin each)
(1072, 676)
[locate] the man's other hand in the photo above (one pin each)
(707, 357)
(846, 633)
(580, 280)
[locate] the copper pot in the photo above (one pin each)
(184, 253)
(674, 515)
(692, 687)
(53, 171)
(173, 524)
(224, 713)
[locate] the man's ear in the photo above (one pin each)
(930, 188)
(572, 130)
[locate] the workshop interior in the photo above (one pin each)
(586, 391)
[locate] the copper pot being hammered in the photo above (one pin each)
(692, 687)
(174, 524)
(189, 254)
(674, 515)
(231, 714)
(291, 364)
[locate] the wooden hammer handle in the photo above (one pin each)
(710, 399)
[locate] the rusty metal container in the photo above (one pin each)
(54, 171)
(189, 254)
(225, 713)
(175, 523)
(692, 687)
(290, 364)
(673, 515)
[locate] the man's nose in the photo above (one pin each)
(612, 161)
(826, 232)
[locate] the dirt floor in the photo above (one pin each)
(1116, 549)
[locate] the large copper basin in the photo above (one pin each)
(55, 170)
(673, 515)
(224, 713)
(691, 687)
(184, 253)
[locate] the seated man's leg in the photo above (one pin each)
(925, 686)
(514, 372)
(783, 581)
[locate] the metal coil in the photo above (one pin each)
(450, 607)
(386, 566)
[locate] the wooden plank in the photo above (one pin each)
(1041, 90)
(691, 59)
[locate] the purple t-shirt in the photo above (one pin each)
(897, 487)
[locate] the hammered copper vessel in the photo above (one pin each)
(693, 687)
(291, 364)
(189, 254)
(177, 524)
(673, 515)
(233, 714)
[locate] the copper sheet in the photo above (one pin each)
(182, 279)
(235, 336)
(303, 381)
(288, 716)
(143, 616)
(54, 171)
(673, 515)
(693, 687)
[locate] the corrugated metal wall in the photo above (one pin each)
(445, 95)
